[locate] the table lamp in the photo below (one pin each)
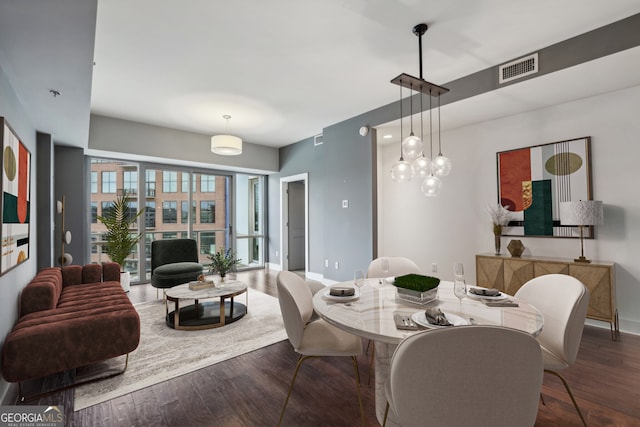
(581, 213)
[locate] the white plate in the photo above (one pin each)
(389, 280)
(421, 319)
(474, 296)
(327, 295)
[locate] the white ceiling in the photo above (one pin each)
(283, 69)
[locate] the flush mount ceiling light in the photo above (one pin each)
(226, 145)
(422, 166)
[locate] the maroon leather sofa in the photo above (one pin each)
(70, 317)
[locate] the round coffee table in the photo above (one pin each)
(210, 314)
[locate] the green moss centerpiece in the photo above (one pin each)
(417, 288)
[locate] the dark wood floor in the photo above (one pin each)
(249, 390)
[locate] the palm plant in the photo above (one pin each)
(119, 237)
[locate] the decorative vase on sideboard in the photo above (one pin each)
(497, 233)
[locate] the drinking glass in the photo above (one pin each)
(459, 284)
(358, 278)
(384, 265)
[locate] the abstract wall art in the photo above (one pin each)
(533, 181)
(16, 201)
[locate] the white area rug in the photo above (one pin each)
(165, 353)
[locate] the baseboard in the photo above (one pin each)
(274, 267)
(626, 326)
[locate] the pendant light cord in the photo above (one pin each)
(411, 105)
(439, 135)
(401, 134)
(421, 120)
(430, 126)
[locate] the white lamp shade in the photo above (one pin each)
(582, 212)
(226, 145)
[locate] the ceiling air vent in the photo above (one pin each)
(317, 140)
(519, 68)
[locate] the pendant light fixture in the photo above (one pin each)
(422, 166)
(441, 165)
(431, 185)
(411, 145)
(401, 170)
(226, 145)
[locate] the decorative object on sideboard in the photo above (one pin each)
(15, 218)
(500, 217)
(581, 213)
(226, 145)
(515, 248)
(120, 238)
(411, 148)
(65, 236)
(532, 181)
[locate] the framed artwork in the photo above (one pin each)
(533, 181)
(16, 201)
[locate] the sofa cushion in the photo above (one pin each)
(42, 293)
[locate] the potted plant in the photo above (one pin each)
(120, 238)
(223, 261)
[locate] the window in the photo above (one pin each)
(207, 243)
(105, 208)
(94, 182)
(150, 215)
(207, 212)
(94, 212)
(207, 183)
(150, 183)
(184, 215)
(170, 212)
(185, 182)
(130, 182)
(108, 182)
(169, 182)
(133, 210)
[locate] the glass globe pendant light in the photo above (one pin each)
(411, 145)
(422, 165)
(431, 185)
(401, 171)
(441, 165)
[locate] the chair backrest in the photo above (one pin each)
(467, 376)
(296, 305)
(398, 266)
(173, 250)
(563, 301)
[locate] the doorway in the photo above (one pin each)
(294, 223)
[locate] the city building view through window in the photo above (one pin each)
(179, 203)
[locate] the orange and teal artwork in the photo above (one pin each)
(532, 182)
(16, 182)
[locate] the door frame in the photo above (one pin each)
(284, 216)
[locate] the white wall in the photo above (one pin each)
(455, 225)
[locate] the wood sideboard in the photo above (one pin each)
(508, 274)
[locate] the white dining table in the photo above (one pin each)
(371, 316)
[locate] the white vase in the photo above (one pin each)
(125, 280)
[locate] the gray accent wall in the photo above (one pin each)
(46, 203)
(12, 282)
(71, 182)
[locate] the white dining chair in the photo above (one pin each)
(465, 376)
(563, 301)
(398, 266)
(312, 338)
